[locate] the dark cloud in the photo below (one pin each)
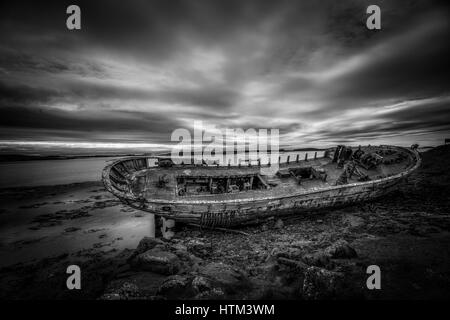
(139, 70)
(86, 125)
(212, 97)
(13, 95)
(406, 66)
(409, 66)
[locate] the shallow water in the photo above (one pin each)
(43, 224)
(51, 172)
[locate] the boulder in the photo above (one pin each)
(341, 250)
(320, 284)
(224, 276)
(147, 243)
(157, 260)
(201, 284)
(133, 285)
(176, 287)
(188, 260)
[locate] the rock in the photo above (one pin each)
(214, 294)
(297, 264)
(190, 260)
(201, 284)
(318, 259)
(147, 243)
(353, 221)
(110, 296)
(279, 224)
(300, 243)
(157, 260)
(294, 253)
(121, 291)
(341, 250)
(321, 284)
(286, 252)
(198, 248)
(225, 276)
(176, 287)
(134, 285)
(264, 268)
(179, 247)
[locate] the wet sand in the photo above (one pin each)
(407, 234)
(80, 218)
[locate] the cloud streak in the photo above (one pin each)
(137, 72)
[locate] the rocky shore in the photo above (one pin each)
(318, 255)
(184, 269)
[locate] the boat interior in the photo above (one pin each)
(339, 166)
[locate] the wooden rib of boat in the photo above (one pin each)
(217, 196)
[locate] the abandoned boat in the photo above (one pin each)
(217, 196)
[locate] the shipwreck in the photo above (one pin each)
(225, 196)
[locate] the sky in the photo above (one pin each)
(138, 70)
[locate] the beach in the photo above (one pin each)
(407, 233)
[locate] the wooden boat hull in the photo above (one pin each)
(220, 213)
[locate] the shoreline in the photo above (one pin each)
(22, 157)
(406, 233)
(17, 157)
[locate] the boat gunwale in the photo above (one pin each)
(130, 197)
